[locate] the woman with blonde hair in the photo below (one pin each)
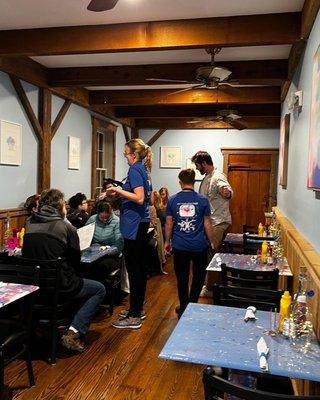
(134, 224)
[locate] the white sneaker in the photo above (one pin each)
(205, 292)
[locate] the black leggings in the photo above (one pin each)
(181, 261)
(135, 259)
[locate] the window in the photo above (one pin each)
(103, 154)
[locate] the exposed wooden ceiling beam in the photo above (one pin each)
(250, 122)
(156, 136)
(257, 72)
(227, 95)
(309, 13)
(195, 110)
(247, 30)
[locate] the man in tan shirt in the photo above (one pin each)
(217, 189)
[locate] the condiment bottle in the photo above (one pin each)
(264, 250)
(285, 304)
(260, 229)
(269, 255)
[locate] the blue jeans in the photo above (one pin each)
(91, 296)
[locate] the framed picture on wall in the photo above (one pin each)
(283, 150)
(170, 157)
(10, 143)
(314, 133)
(190, 164)
(74, 153)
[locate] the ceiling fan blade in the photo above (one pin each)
(167, 80)
(236, 124)
(186, 89)
(101, 5)
(204, 119)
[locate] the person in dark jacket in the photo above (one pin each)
(48, 236)
(77, 213)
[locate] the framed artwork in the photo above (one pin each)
(170, 157)
(283, 150)
(74, 153)
(314, 133)
(10, 143)
(190, 164)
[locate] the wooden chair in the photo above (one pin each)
(15, 333)
(215, 387)
(245, 278)
(243, 297)
(252, 243)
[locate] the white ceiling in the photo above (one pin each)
(19, 14)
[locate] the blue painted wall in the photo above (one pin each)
(296, 201)
(209, 140)
(19, 182)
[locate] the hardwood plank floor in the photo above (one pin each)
(118, 364)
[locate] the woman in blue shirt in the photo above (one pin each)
(134, 224)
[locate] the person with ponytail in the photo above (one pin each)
(134, 223)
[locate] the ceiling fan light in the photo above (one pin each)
(220, 74)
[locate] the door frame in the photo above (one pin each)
(273, 152)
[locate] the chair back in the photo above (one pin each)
(249, 229)
(245, 278)
(215, 387)
(243, 297)
(252, 243)
(17, 273)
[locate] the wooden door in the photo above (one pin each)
(252, 176)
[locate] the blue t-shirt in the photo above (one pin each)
(188, 210)
(132, 213)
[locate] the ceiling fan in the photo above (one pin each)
(230, 117)
(210, 77)
(101, 5)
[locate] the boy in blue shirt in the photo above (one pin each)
(189, 226)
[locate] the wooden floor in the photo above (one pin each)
(119, 364)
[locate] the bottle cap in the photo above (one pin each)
(286, 295)
(302, 298)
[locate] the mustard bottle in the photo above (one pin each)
(285, 304)
(264, 251)
(260, 229)
(21, 235)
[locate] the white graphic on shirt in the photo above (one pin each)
(187, 210)
(187, 225)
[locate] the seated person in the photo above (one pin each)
(77, 213)
(106, 232)
(32, 204)
(60, 239)
(112, 198)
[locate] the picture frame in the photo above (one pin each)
(74, 152)
(190, 164)
(313, 181)
(170, 157)
(283, 150)
(10, 143)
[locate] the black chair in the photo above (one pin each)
(215, 387)
(252, 243)
(250, 279)
(243, 297)
(112, 282)
(15, 333)
(50, 310)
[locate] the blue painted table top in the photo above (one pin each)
(94, 252)
(248, 262)
(216, 335)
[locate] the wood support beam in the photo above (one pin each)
(257, 72)
(44, 160)
(195, 110)
(156, 136)
(126, 133)
(227, 95)
(59, 118)
(250, 122)
(27, 107)
(134, 133)
(247, 30)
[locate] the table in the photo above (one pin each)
(10, 292)
(95, 252)
(216, 335)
